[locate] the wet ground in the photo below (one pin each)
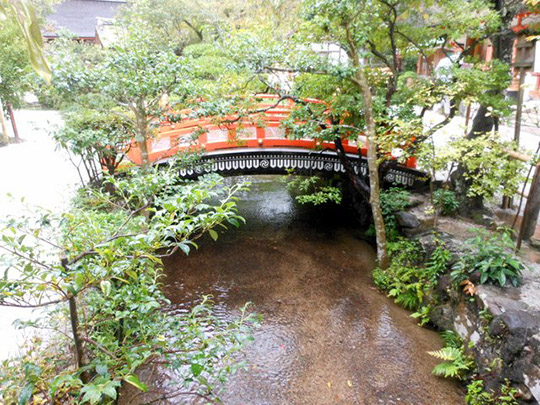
(328, 336)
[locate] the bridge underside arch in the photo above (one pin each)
(244, 161)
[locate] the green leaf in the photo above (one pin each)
(132, 274)
(110, 389)
(502, 278)
(26, 394)
(28, 23)
(483, 278)
(446, 353)
(184, 248)
(101, 369)
(31, 370)
(213, 234)
(92, 393)
(134, 380)
(196, 369)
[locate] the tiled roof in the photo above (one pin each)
(80, 16)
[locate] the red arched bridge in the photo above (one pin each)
(259, 145)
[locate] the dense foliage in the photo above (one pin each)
(14, 65)
(489, 259)
(99, 265)
(180, 58)
(476, 394)
(487, 171)
(313, 190)
(100, 139)
(408, 280)
(393, 201)
(446, 201)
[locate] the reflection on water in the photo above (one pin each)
(328, 336)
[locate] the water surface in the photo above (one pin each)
(328, 336)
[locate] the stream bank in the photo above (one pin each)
(500, 325)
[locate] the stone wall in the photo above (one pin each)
(501, 326)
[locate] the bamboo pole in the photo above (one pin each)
(532, 210)
(517, 127)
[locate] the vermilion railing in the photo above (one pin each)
(259, 131)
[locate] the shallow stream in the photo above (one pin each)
(327, 336)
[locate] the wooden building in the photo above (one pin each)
(81, 18)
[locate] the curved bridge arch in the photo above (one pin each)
(258, 145)
(243, 161)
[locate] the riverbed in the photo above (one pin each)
(327, 336)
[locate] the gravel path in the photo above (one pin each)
(35, 170)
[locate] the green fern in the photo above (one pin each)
(447, 370)
(447, 353)
(455, 362)
(407, 282)
(408, 298)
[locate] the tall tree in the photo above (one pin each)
(178, 23)
(351, 54)
(99, 266)
(130, 80)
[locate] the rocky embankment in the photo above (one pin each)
(500, 326)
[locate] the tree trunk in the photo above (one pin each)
(5, 136)
(142, 132)
(360, 189)
(74, 318)
(143, 147)
(374, 183)
(13, 124)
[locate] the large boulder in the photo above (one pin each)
(407, 220)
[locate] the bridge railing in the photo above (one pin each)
(261, 130)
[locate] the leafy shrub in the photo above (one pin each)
(476, 395)
(103, 258)
(406, 281)
(446, 200)
(489, 259)
(393, 200)
(97, 138)
(451, 339)
(438, 262)
(422, 314)
(313, 190)
(486, 172)
(455, 362)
